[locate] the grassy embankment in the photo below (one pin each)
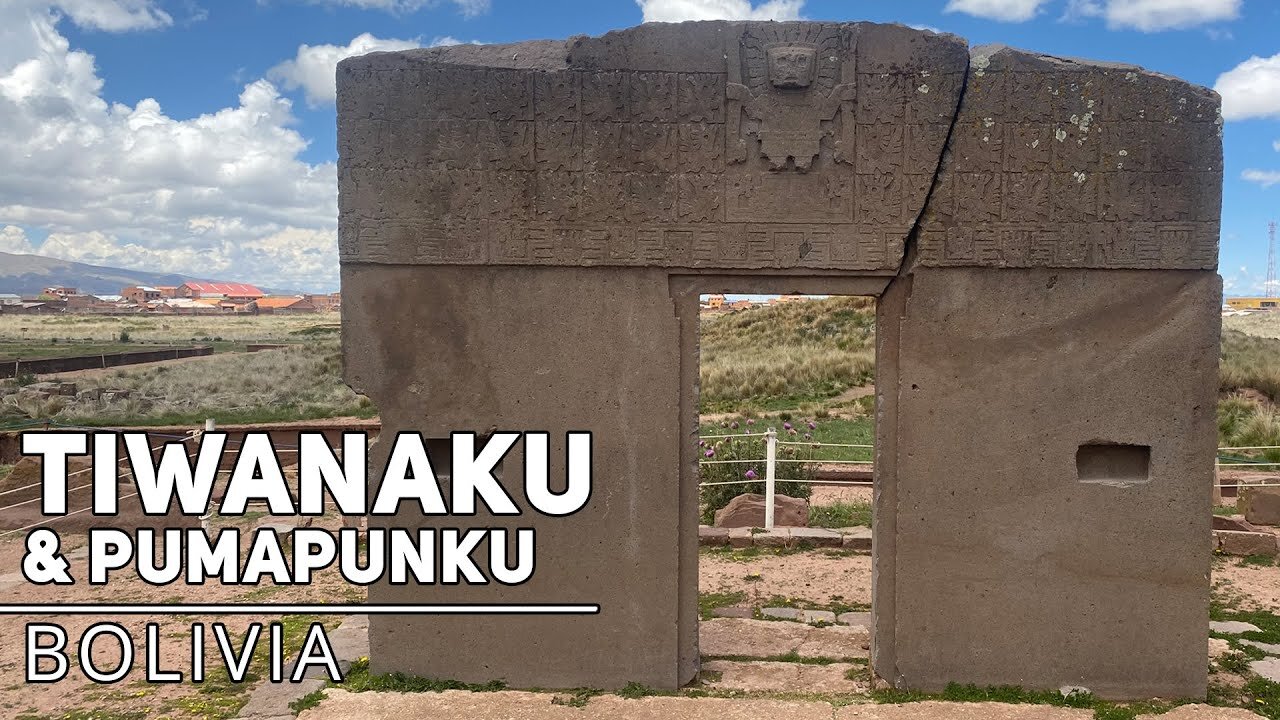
(302, 381)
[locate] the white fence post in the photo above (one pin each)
(770, 467)
(209, 426)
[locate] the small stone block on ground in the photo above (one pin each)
(1232, 542)
(854, 618)
(272, 699)
(740, 537)
(817, 537)
(1268, 668)
(782, 613)
(1260, 505)
(1234, 522)
(742, 638)
(713, 536)
(781, 677)
(1268, 648)
(857, 539)
(815, 617)
(777, 537)
(1232, 627)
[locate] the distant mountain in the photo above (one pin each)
(29, 274)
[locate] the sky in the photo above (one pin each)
(198, 136)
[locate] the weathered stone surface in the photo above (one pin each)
(733, 612)
(1260, 505)
(1231, 542)
(747, 510)
(1067, 163)
(673, 163)
(952, 513)
(521, 226)
(780, 677)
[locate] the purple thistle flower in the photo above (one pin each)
(786, 426)
(750, 421)
(751, 475)
(702, 443)
(813, 425)
(710, 453)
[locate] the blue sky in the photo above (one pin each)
(197, 136)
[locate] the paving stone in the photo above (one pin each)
(855, 618)
(350, 641)
(733, 612)
(836, 641)
(1234, 522)
(1268, 648)
(733, 637)
(782, 676)
(1218, 646)
(1268, 668)
(857, 539)
(783, 613)
(272, 699)
(1232, 627)
(814, 617)
(712, 536)
(818, 537)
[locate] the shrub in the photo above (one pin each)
(752, 449)
(124, 336)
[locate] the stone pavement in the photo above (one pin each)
(509, 705)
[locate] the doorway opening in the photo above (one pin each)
(785, 400)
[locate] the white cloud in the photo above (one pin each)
(1276, 145)
(680, 10)
(115, 15)
(468, 8)
(1251, 89)
(1265, 178)
(224, 194)
(13, 239)
(1002, 10)
(1156, 15)
(314, 67)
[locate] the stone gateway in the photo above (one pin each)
(525, 231)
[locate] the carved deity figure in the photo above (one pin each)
(792, 97)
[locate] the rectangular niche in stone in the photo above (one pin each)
(1113, 464)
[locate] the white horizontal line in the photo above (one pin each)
(281, 609)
